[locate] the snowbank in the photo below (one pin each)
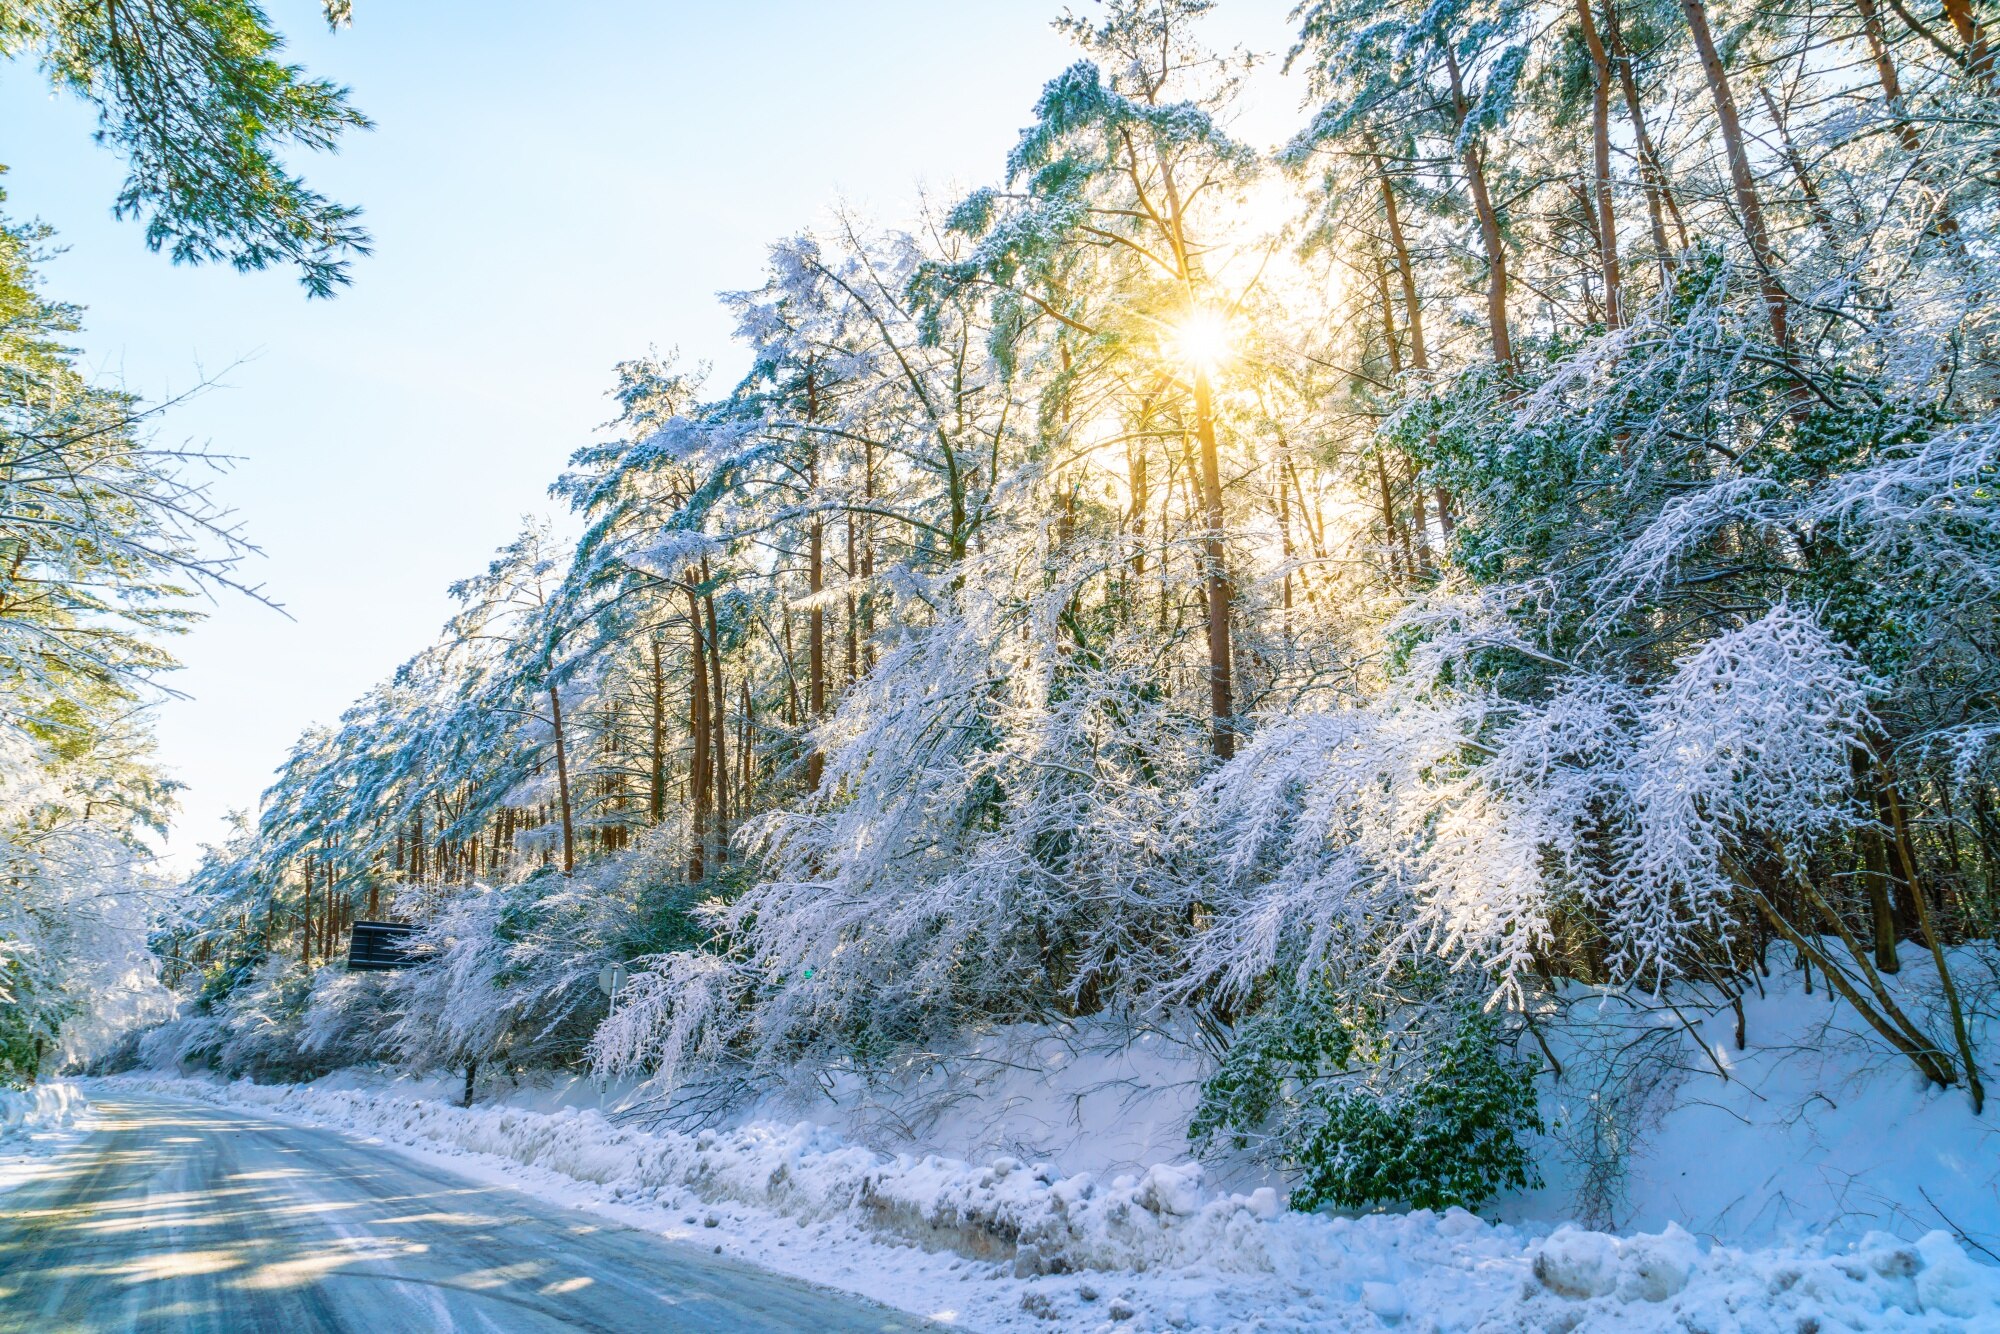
(1811, 1129)
(52, 1105)
(1157, 1249)
(1098, 1095)
(36, 1124)
(1027, 1215)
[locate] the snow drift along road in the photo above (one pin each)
(1046, 1247)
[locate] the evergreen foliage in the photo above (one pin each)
(1429, 1116)
(195, 95)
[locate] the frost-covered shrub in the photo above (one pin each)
(513, 972)
(260, 1031)
(1429, 1114)
(1449, 818)
(349, 1016)
(253, 1030)
(185, 1042)
(992, 802)
(28, 1026)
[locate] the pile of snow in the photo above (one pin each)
(1030, 1216)
(36, 1124)
(1157, 1249)
(53, 1105)
(1812, 1128)
(1096, 1095)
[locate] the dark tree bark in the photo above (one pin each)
(1750, 208)
(1489, 224)
(562, 783)
(656, 806)
(1600, 134)
(700, 768)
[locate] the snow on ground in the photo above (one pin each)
(1098, 1096)
(36, 1123)
(969, 1244)
(1813, 1129)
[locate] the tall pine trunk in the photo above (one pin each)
(1413, 314)
(562, 783)
(1978, 55)
(1413, 318)
(815, 644)
(306, 917)
(1221, 685)
(719, 698)
(1652, 175)
(1885, 73)
(1749, 207)
(1600, 136)
(853, 637)
(657, 793)
(700, 769)
(1489, 224)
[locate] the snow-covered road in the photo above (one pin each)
(187, 1217)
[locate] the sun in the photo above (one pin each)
(1202, 339)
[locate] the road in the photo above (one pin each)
(182, 1217)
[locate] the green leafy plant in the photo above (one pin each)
(1314, 1087)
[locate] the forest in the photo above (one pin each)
(1532, 535)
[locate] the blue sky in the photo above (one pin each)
(552, 189)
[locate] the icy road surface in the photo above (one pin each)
(178, 1216)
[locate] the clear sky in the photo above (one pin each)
(552, 188)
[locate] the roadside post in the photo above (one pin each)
(610, 981)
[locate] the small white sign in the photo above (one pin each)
(611, 979)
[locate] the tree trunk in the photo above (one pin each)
(1135, 482)
(1489, 225)
(719, 699)
(1747, 202)
(1413, 318)
(1816, 206)
(746, 723)
(1875, 874)
(868, 561)
(815, 645)
(1390, 349)
(1413, 314)
(1651, 174)
(1978, 56)
(853, 637)
(1419, 519)
(1600, 133)
(562, 783)
(700, 770)
(1885, 73)
(306, 918)
(1221, 689)
(1391, 530)
(657, 794)
(1287, 553)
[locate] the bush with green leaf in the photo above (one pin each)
(1432, 1114)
